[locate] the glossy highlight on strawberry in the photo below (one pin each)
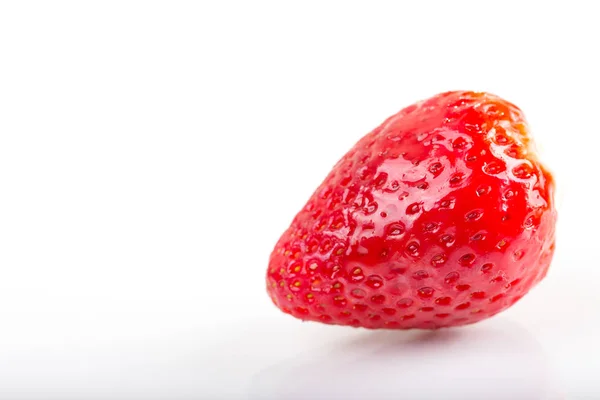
(441, 216)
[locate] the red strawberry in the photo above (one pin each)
(441, 216)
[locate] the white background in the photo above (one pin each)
(151, 153)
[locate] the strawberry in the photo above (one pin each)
(441, 216)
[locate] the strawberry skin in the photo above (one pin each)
(441, 216)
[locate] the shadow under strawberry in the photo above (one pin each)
(495, 360)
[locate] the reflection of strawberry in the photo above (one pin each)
(441, 216)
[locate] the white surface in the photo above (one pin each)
(152, 153)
